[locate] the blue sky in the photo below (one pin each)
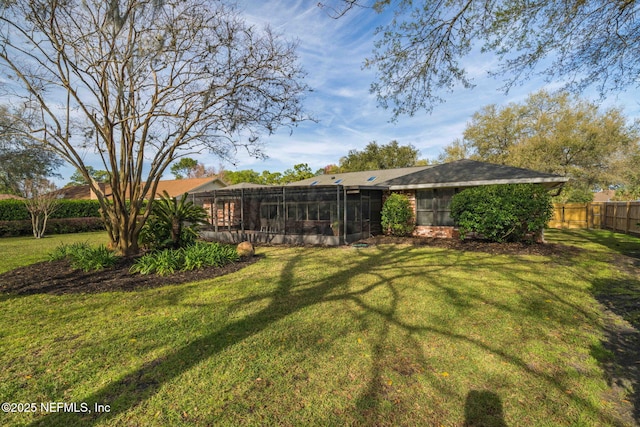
(332, 52)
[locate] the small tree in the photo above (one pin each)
(502, 212)
(397, 215)
(41, 201)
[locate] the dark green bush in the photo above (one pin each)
(397, 215)
(502, 213)
(77, 209)
(54, 226)
(13, 210)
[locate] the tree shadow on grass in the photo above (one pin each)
(621, 359)
(288, 298)
(622, 244)
(141, 384)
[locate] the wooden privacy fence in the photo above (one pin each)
(622, 217)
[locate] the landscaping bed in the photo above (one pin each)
(58, 278)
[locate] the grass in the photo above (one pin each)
(388, 335)
(20, 251)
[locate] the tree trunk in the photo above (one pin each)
(123, 233)
(176, 230)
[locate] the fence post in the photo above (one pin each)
(628, 217)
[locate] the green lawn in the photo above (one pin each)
(388, 335)
(19, 251)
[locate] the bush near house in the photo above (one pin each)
(397, 215)
(502, 213)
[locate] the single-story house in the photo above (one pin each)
(174, 187)
(345, 207)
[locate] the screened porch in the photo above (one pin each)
(328, 215)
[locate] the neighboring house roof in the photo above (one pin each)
(244, 185)
(604, 196)
(177, 187)
(10, 197)
(174, 187)
(78, 192)
(461, 173)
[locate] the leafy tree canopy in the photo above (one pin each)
(185, 167)
(374, 157)
(420, 52)
(555, 133)
(299, 172)
(21, 159)
(78, 178)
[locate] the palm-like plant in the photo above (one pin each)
(168, 218)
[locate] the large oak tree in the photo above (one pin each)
(555, 133)
(141, 83)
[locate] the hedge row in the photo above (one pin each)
(15, 210)
(54, 226)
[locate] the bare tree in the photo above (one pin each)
(41, 201)
(142, 83)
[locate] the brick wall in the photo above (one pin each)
(439, 232)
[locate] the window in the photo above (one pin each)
(433, 207)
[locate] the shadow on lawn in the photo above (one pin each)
(620, 297)
(622, 244)
(138, 386)
(621, 361)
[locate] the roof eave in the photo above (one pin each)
(551, 180)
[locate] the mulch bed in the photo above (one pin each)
(57, 278)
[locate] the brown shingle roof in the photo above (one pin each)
(460, 173)
(175, 188)
(10, 197)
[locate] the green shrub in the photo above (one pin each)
(15, 210)
(199, 255)
(397, 215)
(502, 212)
(172, 224)
(77, 209)
(163, 262)
(84, 257)
(66, 251)
(54, 226)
